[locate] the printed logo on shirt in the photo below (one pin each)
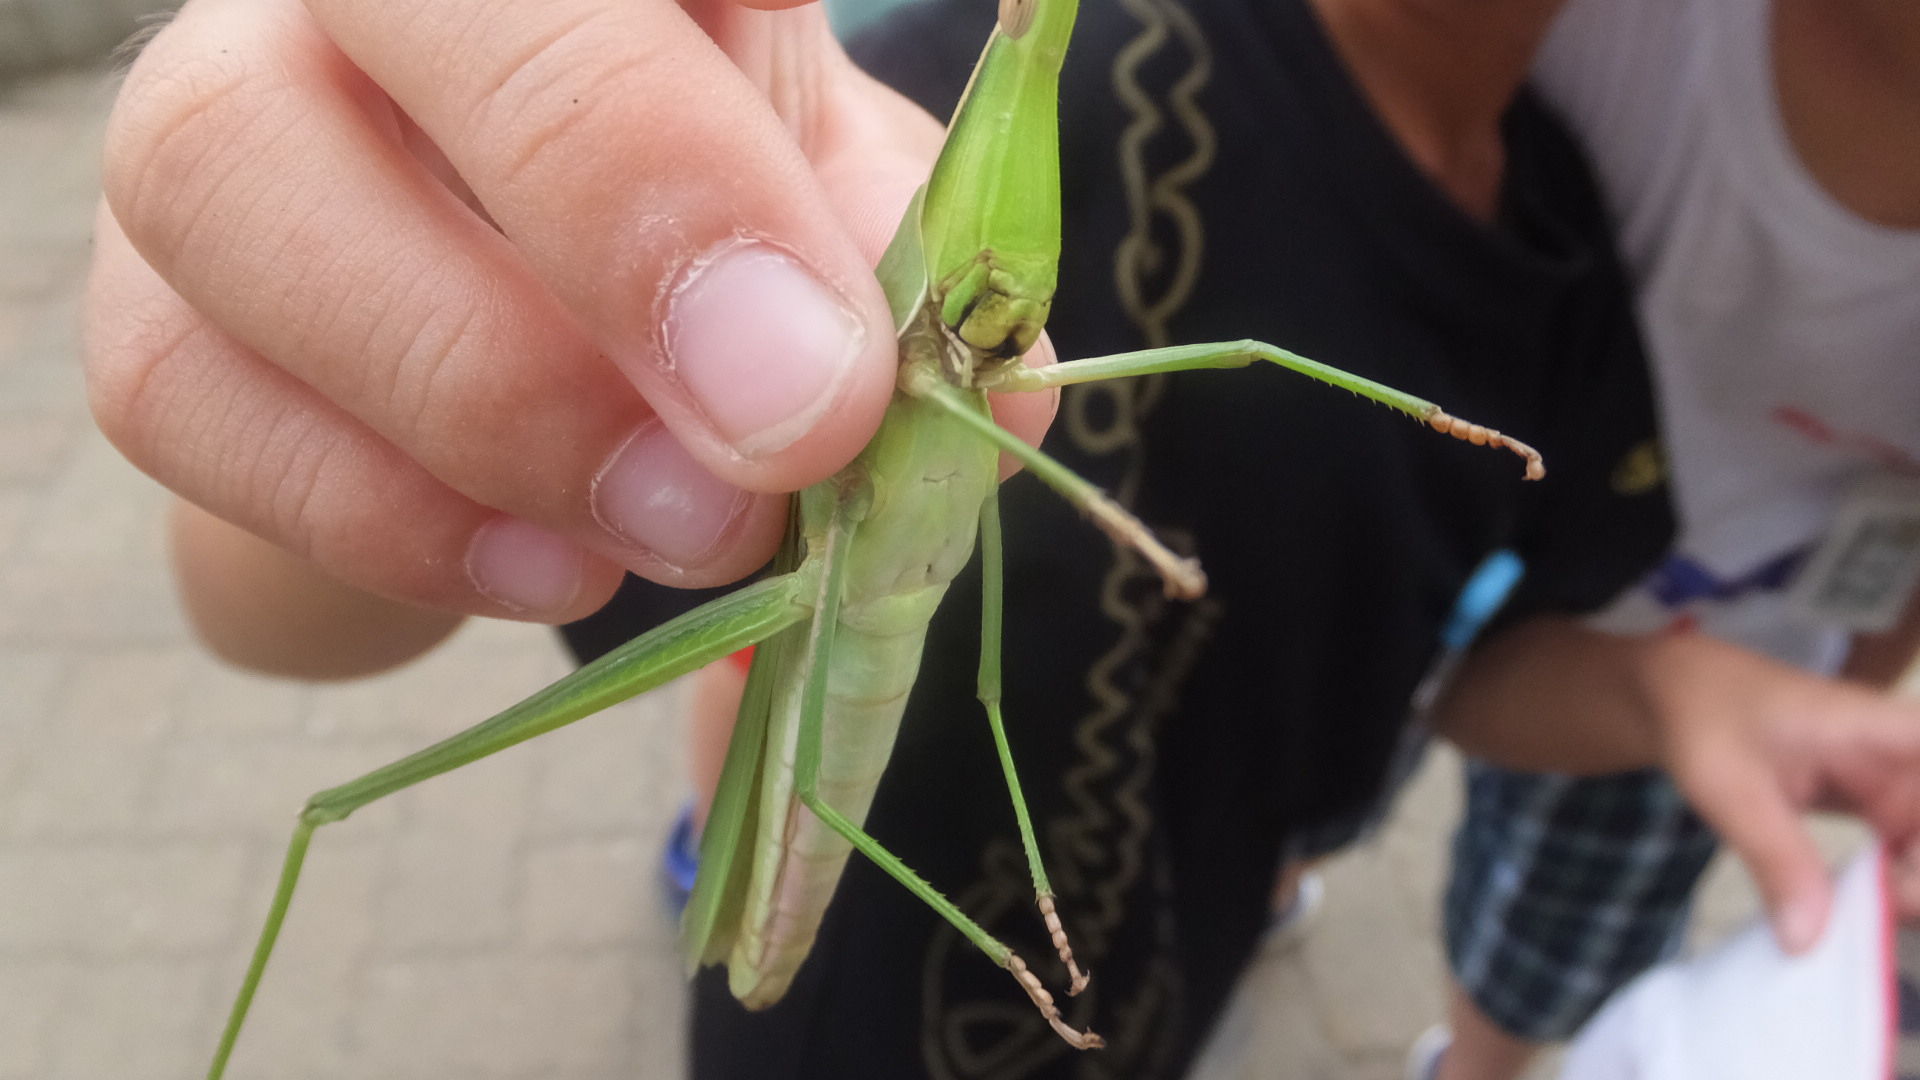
(1641, 470)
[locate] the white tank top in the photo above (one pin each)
(1783, 330)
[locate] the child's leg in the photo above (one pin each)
(713, 703)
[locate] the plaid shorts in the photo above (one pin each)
(1564, 888)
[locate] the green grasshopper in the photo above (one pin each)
(869, 555)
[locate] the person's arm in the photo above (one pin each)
(262, 607)
(1750, 741)
(1512, 701)
(1883, 659)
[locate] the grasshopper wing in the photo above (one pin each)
(712, 918)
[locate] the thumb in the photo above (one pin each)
(869, 146)
(1742, 797)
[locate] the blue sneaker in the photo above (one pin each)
(680, 861)
(1288, 929)
(1423, 1060)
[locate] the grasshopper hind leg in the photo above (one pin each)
(693, 640)
(992, 580)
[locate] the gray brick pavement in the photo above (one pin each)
(502, 922)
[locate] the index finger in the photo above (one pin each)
(1741, 795)
(652, 188)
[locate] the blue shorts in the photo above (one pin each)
(1565, 888)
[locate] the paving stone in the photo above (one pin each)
(50, 190)
(213, 787)
(123, 695)
(590, 892)
(299, 1025)
(657, 1017)
(619, 771)
(32, 681)
(214, 698)
(35, 448)
(31, 270)
(1271, 1028)
(77, 787)
(1376, 972)
(101, 603)
(438, 695)
(117, 901)
(32, 996)
(133, 1019)
(15, 505)
(98, 511)
(495, 1015)
(448, 889)
(41, 375)
(91, 762)
(1417, 842)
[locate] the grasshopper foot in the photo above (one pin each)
(1183, 578)
(1481, 435)
(1076, 979)
(1079, 1040)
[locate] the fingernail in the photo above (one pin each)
(653, 495)
(759, 342)
(524, 567)
(1799, 926)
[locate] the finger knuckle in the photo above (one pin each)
(428, 387)
(127, 378)
(571, 90)
(287, 480)
(175, 141)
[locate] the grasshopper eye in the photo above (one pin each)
(1016, 16)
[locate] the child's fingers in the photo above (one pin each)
(1742, 795)
(245, 440)
(653, 188)
(250, 164)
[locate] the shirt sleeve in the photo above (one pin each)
(1603, 516)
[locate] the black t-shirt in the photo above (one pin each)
(1223, 179)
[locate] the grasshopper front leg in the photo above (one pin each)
(691, 641)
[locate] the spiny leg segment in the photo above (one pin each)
(993, 588)
(819, 650)
(673, 649)
(1239, 354)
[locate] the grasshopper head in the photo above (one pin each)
(996, 304)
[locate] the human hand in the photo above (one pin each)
(1754, 744)
(476, 302)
